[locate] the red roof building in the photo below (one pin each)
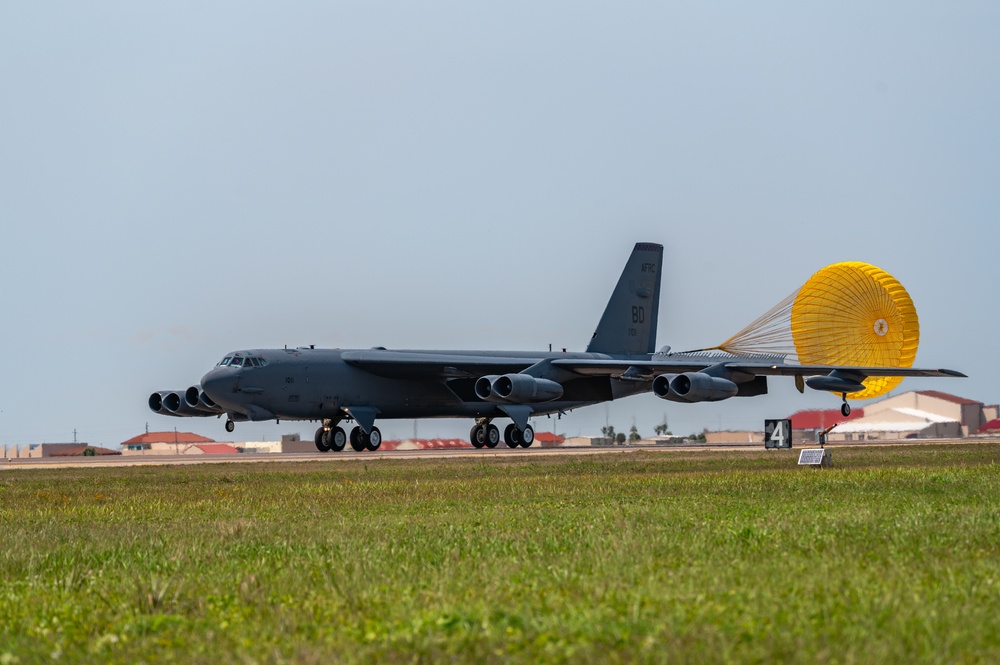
(548, 439)
(424, 444)
(166, 437)
(991, 426)
(216, 449)
(820, 419)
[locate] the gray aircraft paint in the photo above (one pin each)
(365, 385)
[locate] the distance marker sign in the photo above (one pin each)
(777, 434)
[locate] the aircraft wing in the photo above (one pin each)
(651, 368)
(424, 365)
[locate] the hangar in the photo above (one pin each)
(919, 414)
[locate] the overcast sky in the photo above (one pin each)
(178, 180)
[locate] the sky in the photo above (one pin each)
(179, 180)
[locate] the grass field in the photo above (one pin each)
(891, 556)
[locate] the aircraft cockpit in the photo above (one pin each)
(242, 360)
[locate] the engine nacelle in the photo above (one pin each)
(517, 389)
(195, 398)
(175, 403)
(169, 403)
(694, 387)
(156, 404)
(484, 388)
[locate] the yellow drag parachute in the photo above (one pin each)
(851, 313)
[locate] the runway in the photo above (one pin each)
(452, 453)
(343, 456)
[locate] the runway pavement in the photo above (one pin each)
(452, 453)
(345, 455)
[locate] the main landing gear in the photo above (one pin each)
(361, 440)
(332, 437)
(485, 434)
(515, 437)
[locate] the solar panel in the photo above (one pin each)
(814, 457)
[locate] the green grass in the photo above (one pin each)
(891, 556)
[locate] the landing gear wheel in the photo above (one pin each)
(230, 425)
(373, 439)
(478, 436)
(527, 436)
(357, 439)
(323, 440)
(338, 439)
(845, 409)
(492, 436)
(512, 436)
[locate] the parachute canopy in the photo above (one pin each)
(851, 313)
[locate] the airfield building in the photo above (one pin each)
(54, 450)
(920, 414)
(164, 443)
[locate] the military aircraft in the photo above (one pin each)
(362, 385)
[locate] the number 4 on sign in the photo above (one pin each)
(777, 434)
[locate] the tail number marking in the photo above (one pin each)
(638, 314)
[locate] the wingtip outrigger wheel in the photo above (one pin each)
(230, 425)
(845, 408)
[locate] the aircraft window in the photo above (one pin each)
(236, 362)
(261, 362)
(253, 362)
(226, 361)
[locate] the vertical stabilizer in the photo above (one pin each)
(628, 326)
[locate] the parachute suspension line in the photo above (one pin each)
(769, 333)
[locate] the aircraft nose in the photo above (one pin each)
(218, 383)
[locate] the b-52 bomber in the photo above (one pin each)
(334, 386)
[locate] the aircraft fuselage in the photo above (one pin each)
(318, 384)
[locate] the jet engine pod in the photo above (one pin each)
(191, 396)
(521, 388)
(517, 389)
(701, 387)
(174, 403)
(484, 388)
(156, 403)
(207, 402)
(661, 386)
(196, 399)
(169, 403)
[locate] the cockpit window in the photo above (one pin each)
(239, 361)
